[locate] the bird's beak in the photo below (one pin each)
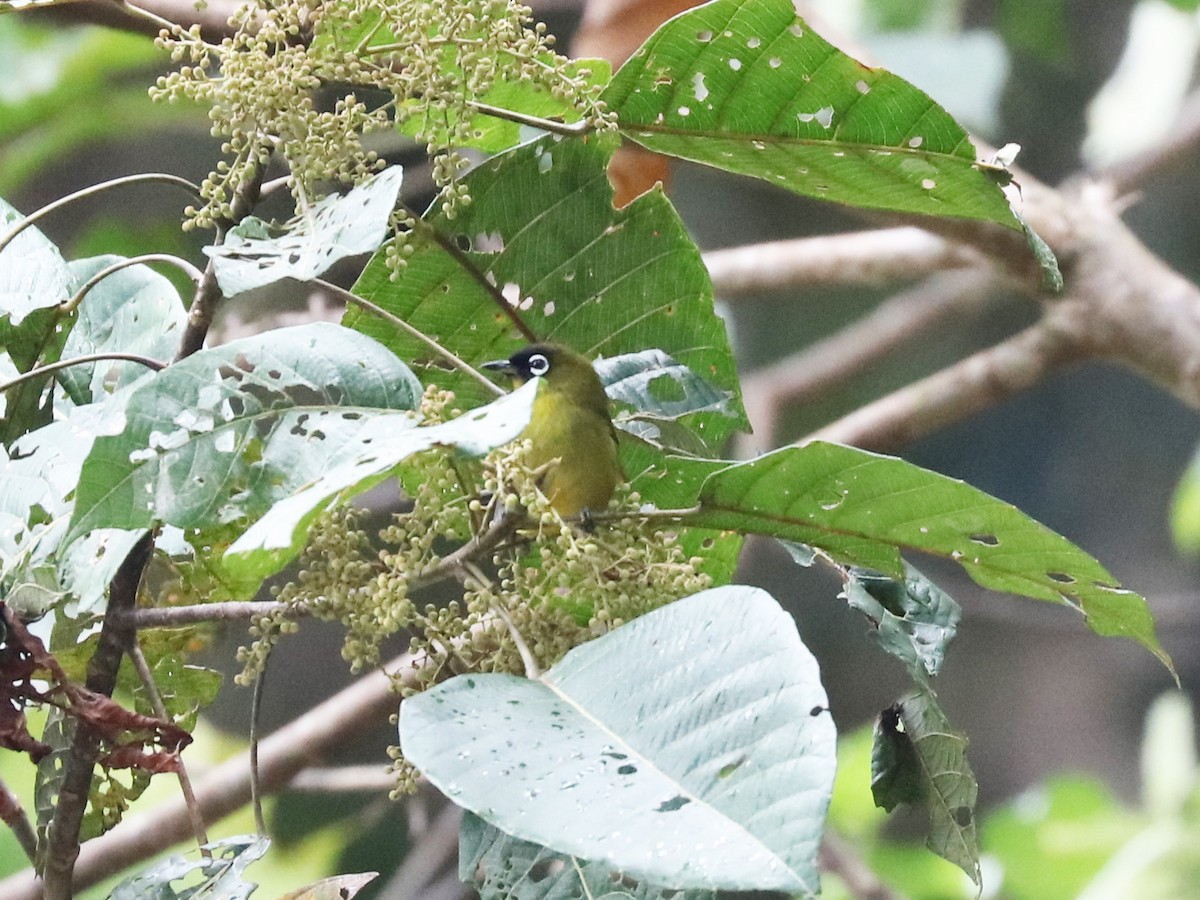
(503, 366)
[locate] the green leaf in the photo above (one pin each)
(549, 257)
(860, 507)
(378, 448)
(923, 762)
(134, 310)
(914, 620)
(223, 874)
(748, 86)
(334, 228)
(222, 435)
(1185, 510)
(501, 867)
(719, 776)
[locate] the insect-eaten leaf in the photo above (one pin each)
(860, 508)
(918, 759)
(221, 875)
(914, 620)
(719, 775)
(821, 123)
(253, 254)
(501, 866)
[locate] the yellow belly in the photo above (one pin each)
(587, 470)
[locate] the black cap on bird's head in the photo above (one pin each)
(528, 362)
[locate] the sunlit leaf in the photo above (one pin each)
(254, 255)
(221, 875)
(222, 435)
(382, 444)
(748, 86)
(707, 794)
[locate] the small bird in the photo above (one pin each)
(570, 427)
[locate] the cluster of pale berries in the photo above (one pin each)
(285, 83)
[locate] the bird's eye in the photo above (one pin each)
(538, 364)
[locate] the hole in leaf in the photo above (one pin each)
(704, 36)
(988, 540)
(627, 769)
(462, 242)
(1061, 577)
(963, 816)
(677, 802)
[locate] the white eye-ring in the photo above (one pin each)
(538, 364)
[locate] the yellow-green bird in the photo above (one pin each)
(570, 427)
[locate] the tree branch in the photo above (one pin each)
(878, 257)
(909, 315)
(226, 789)
(968, 387)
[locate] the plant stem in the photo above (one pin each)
(188, 269)
(49, 368)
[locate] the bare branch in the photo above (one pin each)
(879, 257)
(909, 315)
(966, 388)
(365, 778)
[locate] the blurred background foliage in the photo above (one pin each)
(1055, 716)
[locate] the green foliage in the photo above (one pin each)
(861, 507)
(821, 124)
(745, 812)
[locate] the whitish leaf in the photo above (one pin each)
(542, 247)
(339, 887)
(335, 227)
(33, 275)
(223, 874)
(501, 867)
(383, 443)
(220, 436)
(860, 507)
(134, 310)
(924, 763)
(717, 776)
(914, 619)
(748, 86)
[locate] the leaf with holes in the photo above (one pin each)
(219, 437)
(914, 620)
(860, 507)
(542, 254)
(382, 444)
(747, 86)
(134, 310)
(918, 759)
(719, 775)
(223, 873)
(336, 227)
(502, 867)
(658, 392)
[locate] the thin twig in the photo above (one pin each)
(900, 319)
(532, 670)
(49, 368)
(186, 267)
(116, 637)
(879, 257)
(260, 822)
(572, 129)
(838, 858)
(17, 820)
(447, 567)
(33, 217)
(160, 710)
(393, 319)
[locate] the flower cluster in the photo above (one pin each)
(289, 82)
(529, 579)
